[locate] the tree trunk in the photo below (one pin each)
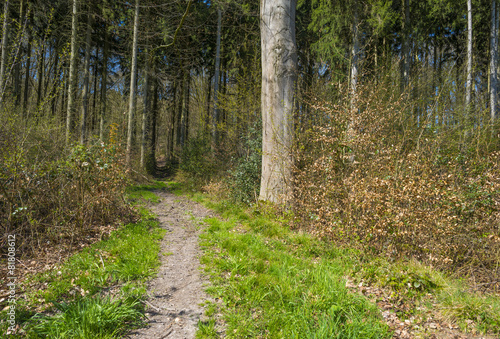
(215, 120)
(86, 77)
(27, 75)
(178, 122)
(41, 64)
(279, 73)
(354, 56)
(104, 83)
(406, 46)
(493, 61)
(72, 75)
(3, 61)
(185, 111)
(145, 113)
(151, 153)
(468, 91)
(131, 103)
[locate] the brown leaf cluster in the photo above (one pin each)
(374, 176)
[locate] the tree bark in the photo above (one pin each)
(104, 84)
(215, 119)
(145, 113)
(72, 75)
(493, 61)
(3, 61)
(133, 77)
(86, 77)
(279, 74)
(354, 56)
(468, 91)
(27, 75)
(406, 46)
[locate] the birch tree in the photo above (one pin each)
(133, 77)
(279, 67)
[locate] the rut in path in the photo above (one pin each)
(173, 305)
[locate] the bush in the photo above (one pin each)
(381, 180)
(58, 193)
(197, 159)
(244, 180)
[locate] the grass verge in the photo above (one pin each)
(97, 292)
(271, 282)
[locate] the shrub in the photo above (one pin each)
(59, 193)
(381, 180)
(245, 176)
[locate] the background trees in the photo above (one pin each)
(200, 90)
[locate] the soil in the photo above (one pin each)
(176, 294)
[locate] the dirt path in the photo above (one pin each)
(176, 293)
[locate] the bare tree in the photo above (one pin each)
(217, 78)
(133, 77)
(493, 60)
(279, 67)
(468, 93)
(72, 74)
(5, 35)
(86, 76)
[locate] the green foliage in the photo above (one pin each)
(130, 253)
(74, 298)
(197, 158)
(88, 318)
(244, 180)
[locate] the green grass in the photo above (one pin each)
(274, 283)
(93, 317)
(74, 300)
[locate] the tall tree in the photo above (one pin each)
(133, 77)
(493, 60)
(86, 77)
(279, 67)
(215, 119)
(468, 93)
(72, 73)
(3, 61)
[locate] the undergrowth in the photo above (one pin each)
(271, 282)
(97, 292)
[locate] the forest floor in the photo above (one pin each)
(177, 301)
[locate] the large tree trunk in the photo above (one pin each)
(279, 73)
(72, 75)
(133, 77)
(215, 119)
(468, 91)
(3, 61)
(493, 60)
(86, 77)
